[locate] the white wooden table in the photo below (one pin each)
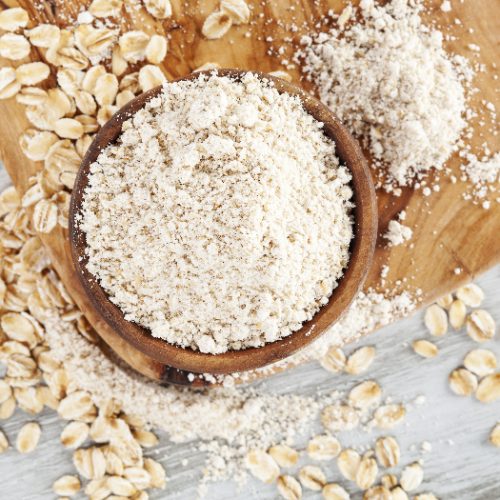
(462, 464)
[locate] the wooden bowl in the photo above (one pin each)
(362, 248)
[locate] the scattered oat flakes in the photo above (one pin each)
(482, 362)
(348, 463)
(216, 25)
(480, 325)
(360, 360)
(334, 360)
(436, 320)
(323, 447)
(74, 434)
(471, 295)
(488, 389)
(156, 49)
(365, 395)
(4, 444)
(66, 486)
(339, 417)
(425, 348)
(445, 301)
(412, 476)
(28, 437)
(366, 473)
(289, 488)
(312, 477)
(388, 416)
(495, 436)
(161, 9)
(387, 451)
(262, 466)
(237, 10)
(284, 455)
(462, 382)
(457, 314)
(334, 491)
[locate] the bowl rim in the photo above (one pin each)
(361, 251)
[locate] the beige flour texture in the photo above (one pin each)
(220, 220)
(390, 80)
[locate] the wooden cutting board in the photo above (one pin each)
(448, 232)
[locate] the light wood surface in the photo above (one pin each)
(448, 232)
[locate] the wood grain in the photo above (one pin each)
(449, 232)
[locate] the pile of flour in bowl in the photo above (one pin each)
(221, 217)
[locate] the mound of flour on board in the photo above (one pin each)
(391, 82)
(205, 221)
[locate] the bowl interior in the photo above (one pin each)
(362, 248)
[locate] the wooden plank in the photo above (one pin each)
(449, 232)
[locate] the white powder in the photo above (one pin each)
(390, 80)
(221, 217)
(397, 233)
(229, 421)
(483, 175)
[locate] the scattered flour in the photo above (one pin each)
(390, 80)
(205, 221)
(484, 176)
(397, 233)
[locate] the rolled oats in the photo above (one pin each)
(9, 86)
(334, 360)
(156, 473)
(105, 8)
(150, 76)
(412, 476)
(360, 360)
(387, 451)
(283, 455)
(133, 45)
(388, 416)
(436, 320)
(32, 73)
(14, 46)
(237, 10)
(75, 406)
(366, 473)
(161, 9)
(120, 486)
(31, 96)
(28, 437)
(495, 436)
(216, 25)
(35, 144)
(66, 486)
(123, 98)
(312, 477)
(378, 492)
(262, 466)
(445, 301)
(289, 488)
(7, 408)
(28, 400)
(4, 444)
(488, 389)
(74, 434)
(425, 348)
(339, 417)
(156, 49)
(105, 113)
(389, 481)
(138, 476)
(398, 493)
(334, 491)
(323, 447)
(45, 216)
(13, 19)
(471, 295)
(6, 391)
(480, 325)
(44, 35)
(481, 362)
(91, 76)
(462, 382)
(365, 394)
(457, 314)
(68, 128)
(348, 463)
